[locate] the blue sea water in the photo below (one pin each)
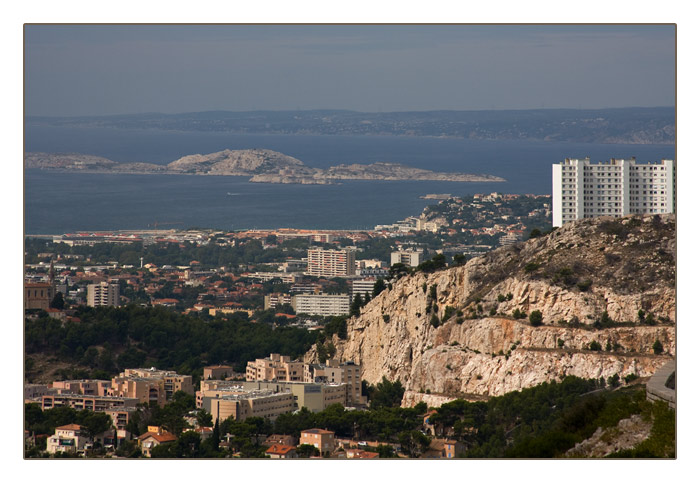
(66, 202)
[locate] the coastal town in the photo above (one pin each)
(316, 272)
(293, 279)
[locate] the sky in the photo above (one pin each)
(73, 70)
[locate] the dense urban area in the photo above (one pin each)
(164, 343)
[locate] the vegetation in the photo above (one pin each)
(535, 318)
(111, 339)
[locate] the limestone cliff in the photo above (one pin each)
(452, 333)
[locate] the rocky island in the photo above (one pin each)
(262, 165)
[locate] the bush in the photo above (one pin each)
(585, 285)
(435, 321)
(614, 380)
(531, 267)
(658, 348)
(594, 346)
(517, 314)
(535, 318)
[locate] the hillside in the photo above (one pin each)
(645, 125)
(453, 333)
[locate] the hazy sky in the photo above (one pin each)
(118, 69)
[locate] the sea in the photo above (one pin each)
(56, 203)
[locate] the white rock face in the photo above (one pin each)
(491, 355)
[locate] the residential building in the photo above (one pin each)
(103, 294)
(275, 368)
(87, 387)
(353, 453)
(150, 385)
(283, 439)
(67, 439)
(244, 404)
(38, 295)
(334, 372)
(155, 436)
(330, 263)
(91, 403)
(33, 392)
(273, 300)
(453, 448)
(410, 258)
(362, 286)
(281, 451)
(321, 304)
(217, 372)
(322, 439)
(313, 396)
(619, 187)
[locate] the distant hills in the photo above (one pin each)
(644, 125)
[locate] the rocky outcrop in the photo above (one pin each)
(626, 435)
(263, 165)
(452, 333)
(229, 162)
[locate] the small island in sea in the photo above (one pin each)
(262, 165)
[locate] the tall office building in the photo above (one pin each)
(103, 294)
(330, 263)
(619, 187)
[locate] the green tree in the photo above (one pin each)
(378, 288)
(385, 394)
(657, 347)
(57, 302)
(307, 450)
(535, 318)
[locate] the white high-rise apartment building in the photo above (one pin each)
(321, 304)
(619, 187)
(330, 263)
(103, 294)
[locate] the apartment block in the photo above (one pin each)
(321, 304)
(275, 368)
(150, 385)
(362, 286)
(91, 403)
(335, 372)
(87, 387)
(103, 294)
(619, 187)
(313, 396)
(217, 372)
(245, 404)
(330, 263)
(410, 258)
(274, 300)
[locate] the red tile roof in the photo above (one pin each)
(279, 449)
(70, 427)
(164, 437)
